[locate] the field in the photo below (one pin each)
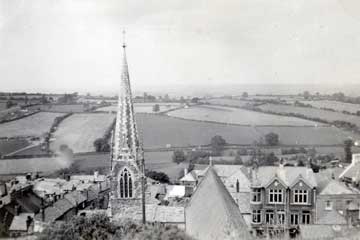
(143, 107)
(34, 125)
(312, 112)
(337, 106)
(65, 108)
(237, 116)
(79, 131)
(159, 131)
(325, 135)
(9, 146)
(228, 102)
(2, 106)
(26, 165)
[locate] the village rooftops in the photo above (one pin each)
(352, 172)
(20, 222)
(288, 176)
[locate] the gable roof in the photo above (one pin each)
(288, 175)
(352, 171)
(334, 187)
(213, 214)
(19, 222)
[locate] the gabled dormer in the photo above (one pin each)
(301, 191)
(275, 191)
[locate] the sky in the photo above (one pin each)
(173, 45)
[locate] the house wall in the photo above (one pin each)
(339, 202)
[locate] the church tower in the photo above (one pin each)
(127, 157)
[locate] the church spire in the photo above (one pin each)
(126, 138)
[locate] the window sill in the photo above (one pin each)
(301, 204)
(251, 202)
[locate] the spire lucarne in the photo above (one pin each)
(127, 159)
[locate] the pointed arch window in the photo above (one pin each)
(126, 184)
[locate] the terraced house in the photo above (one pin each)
(282, 198)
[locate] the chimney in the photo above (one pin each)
(185, 171)
(96, 175)
(42, 211)
(210, 161)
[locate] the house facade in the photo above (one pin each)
(282, 198)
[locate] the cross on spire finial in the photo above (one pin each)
(123, 32)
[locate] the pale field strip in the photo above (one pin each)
(79, 131)
(34, 125)
(238, 116)
(337, 106)
(312, 112)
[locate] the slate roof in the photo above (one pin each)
(287, 175)
(331, 218)
(212, 213)
(334, 187)
(19, 222)
(75, 198)
(54, 212)
(352, 171)
(243, 201)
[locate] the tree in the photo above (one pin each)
(245, 95)
(156, 108)
(238, 160)
(300, 163)
(195, 100)
(101, 145)
(347, 149)
(100, 227)
(10, 104)
(178, 156)
(158, 176)
(217, 145)
(272, 139)
(306, 95)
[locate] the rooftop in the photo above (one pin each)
(287, 175)
(213, 214)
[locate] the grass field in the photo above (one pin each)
(337, 106)
(312, 112)
(79, 131)
(2, 106)
(228, 102)
(34, 125)
(325, 135)
(9, 146)
(142, 107)
(236, 116)
(159, 130)
(66, 108)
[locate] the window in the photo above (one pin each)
(256, 195)
(328, 205)
(125, 184)
(294, 219)
(269, 217)
(305, 217)
(256, 216)
(275, 196)
(300, 196)
(280, 217)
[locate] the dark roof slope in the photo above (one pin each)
(213, 214)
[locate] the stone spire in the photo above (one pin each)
(126, 143)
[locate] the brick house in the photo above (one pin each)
(282, 198)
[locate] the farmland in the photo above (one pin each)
(142, 107)
(9, 146)
(312, 113)
(65, 108)
(228, 102)
(337, 106)
(79, 131)
(159, 130)
(236, 116)
(34, 125)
